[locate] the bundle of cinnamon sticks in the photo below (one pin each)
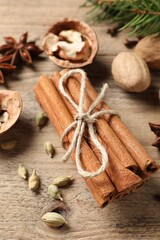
(129, 164)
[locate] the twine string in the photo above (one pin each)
(83, 120)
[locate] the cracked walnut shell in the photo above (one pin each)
(10, 109)
(70, 43)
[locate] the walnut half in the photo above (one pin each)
(70, 44)
(10, 109)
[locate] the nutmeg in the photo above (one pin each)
(131, 72)
(70, 43)
(148, 48)
(10, 109)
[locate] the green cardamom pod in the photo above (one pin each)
(22, 171)
(8, 145)
(53, 219)
(62, 181)
(49, 149)
(54, 191)
(34, 181)
(41, 119)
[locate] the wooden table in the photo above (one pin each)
(134, 217)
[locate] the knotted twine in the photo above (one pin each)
(82, 120)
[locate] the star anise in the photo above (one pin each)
(130, 43)
(20, 51)
(4, 66)
(156, 129)
(114, 30)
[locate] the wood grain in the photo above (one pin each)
(134, 217)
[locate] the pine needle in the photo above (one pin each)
(142, 17)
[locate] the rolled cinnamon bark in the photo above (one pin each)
(121, 177)
(139, 154)
(51, 102)
(103, 129)
(121, 195)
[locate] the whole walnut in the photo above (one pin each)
(148, 48)
(131, 72)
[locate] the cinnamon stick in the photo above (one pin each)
(103, 129)
(122, 178)
(51, 102)
(139, 154)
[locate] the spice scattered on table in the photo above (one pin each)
(54, 191)
(8, 145)
(34, 181)
(4, 67)
(22, 171)
(62, 181)
(20, 51)
(114, 30)
(53, 219)
(49, 149)
(156, 129)
(41, 119)
(131, 43)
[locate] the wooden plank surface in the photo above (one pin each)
(134, 217)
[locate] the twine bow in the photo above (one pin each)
(82, 120)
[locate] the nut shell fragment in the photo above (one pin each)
(11, 106)
(83, 57)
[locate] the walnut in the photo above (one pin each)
(148, 48)
(10, 109)
(70, 44)
(131, 72)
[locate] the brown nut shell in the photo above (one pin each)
(10, 103)
(86, 32)
(131, 72)
(148, 48)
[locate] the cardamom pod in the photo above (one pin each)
(62, 181)
(8, 145)
(34, 181)
(53, 219)
(22, 171)
(54, 191)
(49, 149)
(41, 119)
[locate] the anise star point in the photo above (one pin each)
(156, 129)
(5, 66)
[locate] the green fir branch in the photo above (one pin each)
(141, 16)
